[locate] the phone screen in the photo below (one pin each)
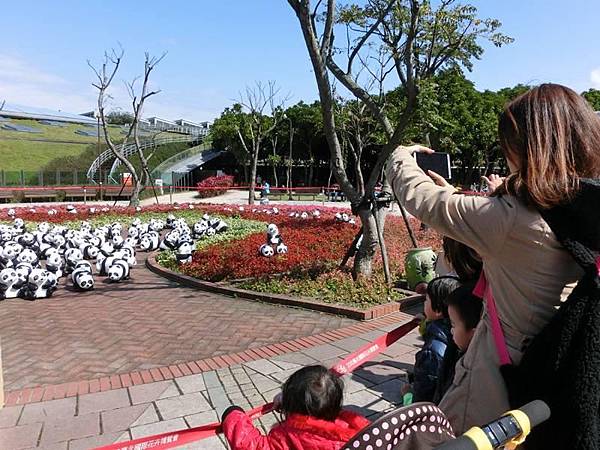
(436, 162)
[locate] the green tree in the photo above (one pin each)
(593, 97)
(409, 39)
(119, 117)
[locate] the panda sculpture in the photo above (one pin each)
(28, 256)
(82, 278)
(9, 284)
(72, 257)
(118, 271)
(184, 253)
(273, 236)
(54, 264)
(266, 250)
(38, 286)
(281, 248)
(170, 241)
(89, 250)
(149, 242)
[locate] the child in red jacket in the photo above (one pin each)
(311, 402)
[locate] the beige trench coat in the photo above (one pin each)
(526, 267)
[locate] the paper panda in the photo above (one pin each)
(23, 270)
(220, 226)
(128, 254)
(170, 222)
(19, 224)
(149, 242)
(273, 236)
(266, 250)
(89, 251)
(38, 286)
(316, 214)
(170, 241)
(210, 231)
(28, 256)
(9, 254)
(338, 216)
(136, 222)
(54, 264)
(281, 248)
(184, 253)
(28, 240)
(304, 215)
(103, 265)
(117, 241)
(72, 257)
(119, 270)
(11, 212)
(82, 278)
(200, 229)
(9, 284)
(71, 209)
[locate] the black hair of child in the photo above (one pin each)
(313, 391)
(438, 289)
(467, 305)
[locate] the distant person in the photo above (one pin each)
(311, 403)
(266, 190)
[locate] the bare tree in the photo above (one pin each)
(105, 76)
(2, 105)
(406, 38)
(259, 100)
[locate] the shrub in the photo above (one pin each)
(214, 186)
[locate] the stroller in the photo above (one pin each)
(423, 426)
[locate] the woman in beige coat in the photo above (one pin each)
(551, 139)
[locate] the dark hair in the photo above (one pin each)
(553, 134)
(313, 391)
(467, 305)
(464, 260)
(438, 289)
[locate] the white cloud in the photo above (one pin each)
(595, 78)
(26, 84)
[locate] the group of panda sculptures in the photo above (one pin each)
(32, 262)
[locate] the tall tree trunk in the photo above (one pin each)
(276, 181)
(363, 261)
(255, 149)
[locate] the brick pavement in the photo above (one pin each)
(140, 324)
(90, 420)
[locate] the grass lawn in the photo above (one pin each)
(51, 133)
(32, 156)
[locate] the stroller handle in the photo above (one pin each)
(515, 425)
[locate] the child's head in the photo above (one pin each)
(313, 391)
(464, 310)
(464, 260)
(437, 290)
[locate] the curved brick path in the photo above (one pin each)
(140, 324)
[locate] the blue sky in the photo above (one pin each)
(216, 48)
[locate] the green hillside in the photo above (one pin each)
(52, 148)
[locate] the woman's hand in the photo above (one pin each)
(417, 148)
(438, 179)
(493, 182)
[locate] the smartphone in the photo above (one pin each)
(437, 162)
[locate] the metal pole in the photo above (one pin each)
(290, 162)
(171, 193)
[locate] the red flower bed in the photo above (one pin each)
(213, 186)
(312, 245)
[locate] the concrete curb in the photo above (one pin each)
(300, 302)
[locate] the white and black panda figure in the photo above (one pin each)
(72, 257)
(170, 222)
(128, 254)
(71, 209)
(54, 264)
(118, 271)
(304, 215)
(82, 278)
(89, 251)
(266, 250)
(103, 265)
(199, 229)
(338, 217)
(23, 270)
(273, 236)
(184, 253)
(149, 242)
(117, 241)
(220, 226)
(170, 241)
(19, 225)
(316, 214)
(9, 284)
(28, 240)
(281, 248)
(38, 286)
(28, 256)
(9, 255)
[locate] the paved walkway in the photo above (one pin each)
(100, 418)
(142, 323)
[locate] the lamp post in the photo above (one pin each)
(289, 169)
(97, 114)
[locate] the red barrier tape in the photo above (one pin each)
(347, 365)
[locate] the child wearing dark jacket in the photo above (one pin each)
(437, 337)
(311, 403)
